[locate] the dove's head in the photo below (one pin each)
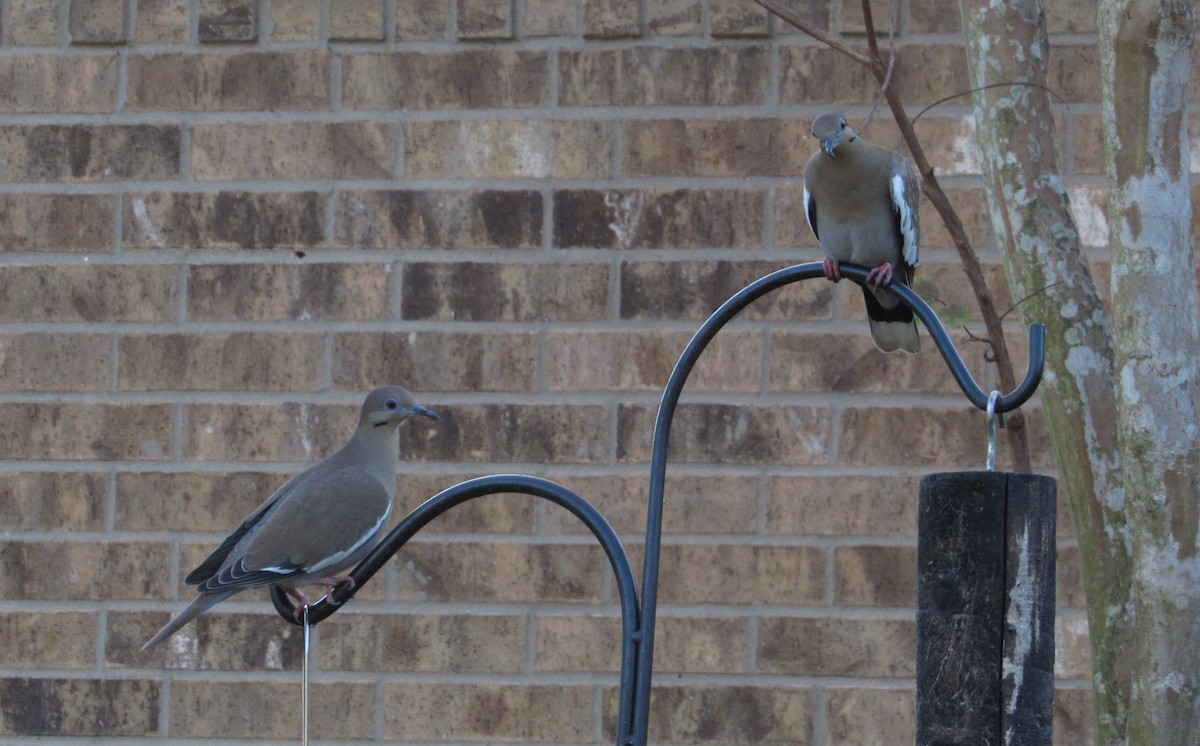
(391, 405)
(831, 130)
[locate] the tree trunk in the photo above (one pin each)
(1146, 50)
(1007, 43)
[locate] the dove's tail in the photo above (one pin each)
(202, 604)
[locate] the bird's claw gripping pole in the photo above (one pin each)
(638, 622)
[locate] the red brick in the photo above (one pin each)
(96, 293)
(508, 148)
(217, 641)
(438, 643)
(820, 75)
(733, 18)
(190, 501)
(836, 506)
(871, 717)
(97, 21)
(714, 713)
(268, 710)
(279, 432)
(485, 19)
(48, 639)
(420, 20)
(548, 18)
(295, 20)
(875, 576)
(356, 20)
(675, 18)
(33, 22)
(611, 18)
(85, 431)
(84, 571)
(161, 21)
(738, 574)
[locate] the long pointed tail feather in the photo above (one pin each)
(202, 604)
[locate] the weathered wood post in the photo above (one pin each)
(985, 609)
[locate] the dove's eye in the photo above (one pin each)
(391, 404)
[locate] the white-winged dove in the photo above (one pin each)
(322, 521)
(861, 201)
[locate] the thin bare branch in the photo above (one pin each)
(820, 34)
(891, 65)
(960, 94)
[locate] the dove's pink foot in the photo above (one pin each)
(333, 581)
(882, 275)
(833, 272)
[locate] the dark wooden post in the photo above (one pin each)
(985, 609)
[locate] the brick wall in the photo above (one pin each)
(223, 221)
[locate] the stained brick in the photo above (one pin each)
(229, 82)
(97, 21)
(611, 18)
(79, 707)
(468, 291)
(470, 79)
(421, 20)
(224, 220)
(88, 152)
(238, 361)
(548, 18)
(1073, 72)
(47, 83)
(485, 19)
(56, 222)
(833, 506)
(272, 292)
(681, 644)
(189, 501)
(654, 218)
(935, 17)
(33, 22)
(425, 361)
(740, 574)
(39, 361)
(215, 642)
(693, 290)
(1071, 17)
(552, 713)
(85, 431)
(1088, 141)
(356, 20)
(507, 433)
(820, 362)
(733, 18)
(79, 571)
(268, 709)
(508, 148)
(818, 74)
(871, 717)
(725, 714)
(694, 505)
(507, 219)
(503, 572)
(715, 147)
(642, 361)
(107, 293)
(675, 17)
(647, 76)
(281, 432)
(295, 20)
(228, 21)
(1068, 587)
(59, 501)
(163, 21)
(452, 643)
(48, 639)
(797, 646)
(299, 150)
(875, 576)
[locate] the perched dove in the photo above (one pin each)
(861, 201)
(322, 521)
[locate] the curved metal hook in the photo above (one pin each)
(495, 484)
(687, 360)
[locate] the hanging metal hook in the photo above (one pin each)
(992, 421)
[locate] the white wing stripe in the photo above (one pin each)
(905, 211)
